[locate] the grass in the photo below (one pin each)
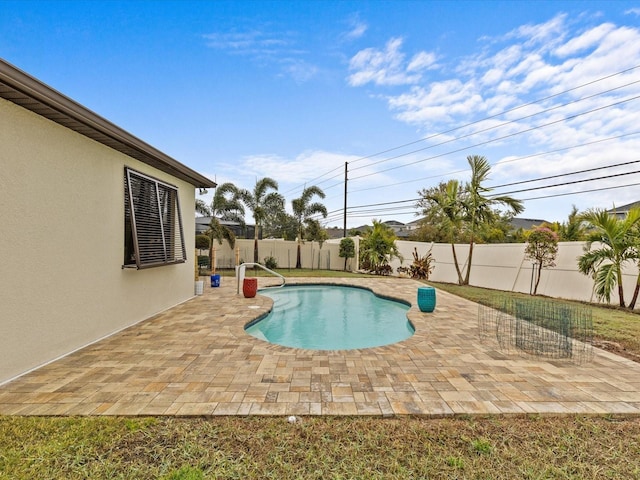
(473, 447)
(530, 447)
(610, 324)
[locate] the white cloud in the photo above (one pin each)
(544, 35)
(252, 42)
(295, 170)
(357, 28)
(300, 70)
(388, 66)
(266, 48)
(523, 66)
(590, 38)
(422, 61)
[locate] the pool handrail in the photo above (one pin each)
(240, 269)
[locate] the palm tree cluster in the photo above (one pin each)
(462, 210)
(377, 248)
(618, 242)
(267, 207)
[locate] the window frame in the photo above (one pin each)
(153, 230)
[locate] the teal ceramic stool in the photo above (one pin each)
(426, 299)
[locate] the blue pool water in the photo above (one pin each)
(322, 317)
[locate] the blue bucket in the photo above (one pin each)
(215, 280)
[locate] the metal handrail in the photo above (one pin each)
(243, 267)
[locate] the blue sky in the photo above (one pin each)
(403, 91)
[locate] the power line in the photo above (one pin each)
(494, 127)
(498, 114)
(518, 159)
(471, 124)
(355, 209)
(537, 127)
(577, 193)
(570, 183)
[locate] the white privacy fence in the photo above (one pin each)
(285, 253)
(504, 267)
(498, 266)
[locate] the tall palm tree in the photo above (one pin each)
(480, 207)
(635, 235)
(618, 245)
(303, 209)
(260, 201)
(225, 206)
(202, 208)
(446, 198)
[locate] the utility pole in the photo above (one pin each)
(344, 230)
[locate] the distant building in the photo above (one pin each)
(526, 223)
(248, 231)
(622, 211)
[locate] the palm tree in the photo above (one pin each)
(303, 209)
(202, 208)
(573, 229)
(219, 232)
(261, 202)
(446, 199)
(225, 206)
(635, 235)
(618, 245)
(479, 206)
(378, 247)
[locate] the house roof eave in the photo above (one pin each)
(28, 92)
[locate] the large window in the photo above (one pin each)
(152, 223)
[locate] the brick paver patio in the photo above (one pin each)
(196, 359)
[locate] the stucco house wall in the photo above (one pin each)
(62, 285)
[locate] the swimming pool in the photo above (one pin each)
(329, 317)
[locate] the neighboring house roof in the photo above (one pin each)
(525, 223)
(624, 208)
(202, 225)
(393, 223)
(22, 89)
(335, 232)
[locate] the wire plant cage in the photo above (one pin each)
(538, 327)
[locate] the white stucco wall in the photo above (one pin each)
(62, 242)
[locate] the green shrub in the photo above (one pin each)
(203, 242)
(422, 266)
(271, 263)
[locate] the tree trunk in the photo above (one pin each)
(299, 257)
(535, 288)
(455, 262)
(632, 305)
(621, 293)
(468, 274)
(256, 257)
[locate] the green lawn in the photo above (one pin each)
(611, 324)
(529, 447)
(488, 447)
